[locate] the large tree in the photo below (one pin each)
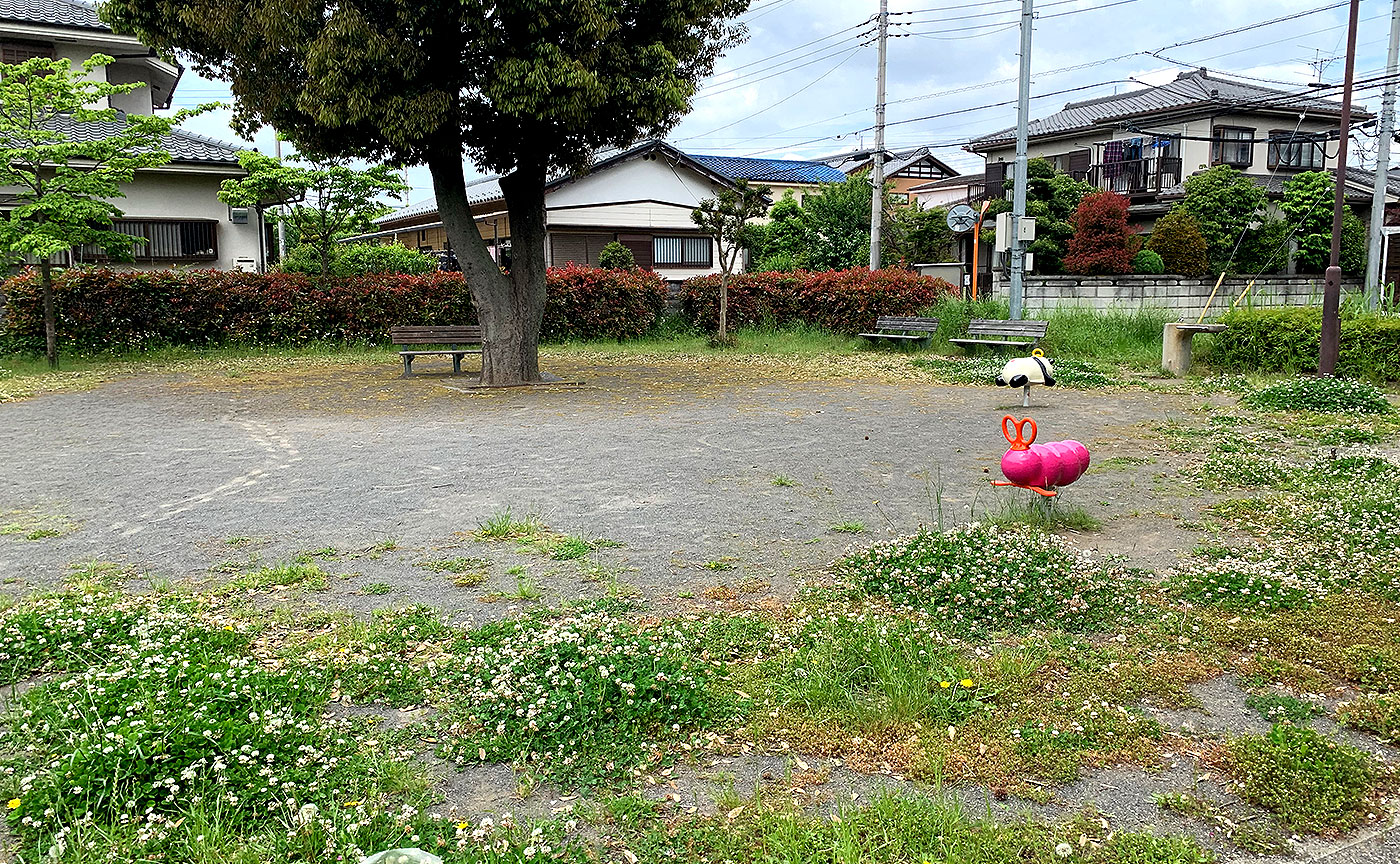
(64, 157)
(328, 200)
(525, 88)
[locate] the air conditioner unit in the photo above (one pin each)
(238, 215)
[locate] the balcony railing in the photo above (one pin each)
(1137, 176)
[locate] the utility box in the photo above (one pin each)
(1004, 230)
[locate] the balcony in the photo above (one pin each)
(1135, 177)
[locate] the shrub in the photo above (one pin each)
(615, 256)
(1224, 203)
(1148, 263)
(589, 303)
(980, 577)
(1312, 783)
(1178, 239)
(1326, 395)
(359, 259)
(1099, 246)
(107, 310)
(1286, 340)
(844, 301)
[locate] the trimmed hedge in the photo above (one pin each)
(1287, 340)
(844, 301)
(108, 310)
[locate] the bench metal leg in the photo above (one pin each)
(407, 366)
(456, 364)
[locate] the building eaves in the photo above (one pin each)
(952, 182)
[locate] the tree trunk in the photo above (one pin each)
(723, 335)
(510, 308)
(50, 319)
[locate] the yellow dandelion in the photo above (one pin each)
(966, 682)
(351, 804)
(462, 826)
(13, 803)
(945, 684)
(228, 626)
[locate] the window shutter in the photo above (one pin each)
(640, 247)
(568, 247)
(996, 179)
(1079, 161)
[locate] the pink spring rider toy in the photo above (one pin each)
(1039, 467)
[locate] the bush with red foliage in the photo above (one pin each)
(1100, 243)
(109, 310)
(845, 301)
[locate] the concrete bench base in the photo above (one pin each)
(1176, 344)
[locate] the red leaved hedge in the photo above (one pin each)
(108, 310)
(846, 301)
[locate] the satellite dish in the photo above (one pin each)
(962, 218)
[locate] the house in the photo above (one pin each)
(174, 207)
(1144, 143)
(904, 169)
(949, 191)
(641, 197)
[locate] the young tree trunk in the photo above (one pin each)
(723, 335)
(50, 319)
(509, 308)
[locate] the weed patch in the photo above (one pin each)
(1311, 783)
(1321, 395)
(1379, 714)
(505, 525)
(294, 575)
(982, 577)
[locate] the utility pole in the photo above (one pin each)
(281, 208)
(1018, 195)
(1385, 132)
(877, 174)
(1332, 286)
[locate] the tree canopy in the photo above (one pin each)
(1226, 205)
(65, 158)
(520, 87)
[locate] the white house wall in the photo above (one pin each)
(168, 194)
(645, 214)
(640, 179)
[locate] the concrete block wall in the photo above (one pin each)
(1174, 293)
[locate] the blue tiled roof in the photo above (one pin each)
(770, 170)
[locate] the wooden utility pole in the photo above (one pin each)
(1332, 286)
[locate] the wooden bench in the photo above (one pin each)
(1015, 334)
(450, 339)
(904, 329)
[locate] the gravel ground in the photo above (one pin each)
(190, 477)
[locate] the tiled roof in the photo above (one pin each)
(478, 192)
(62, 13)
(1363, 179)
(770, 170)
(1190, 89)
(184, 147)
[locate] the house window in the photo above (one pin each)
(1232, 145)
(15, 53)
(171, 240)
(682, 251)
(1301, 151)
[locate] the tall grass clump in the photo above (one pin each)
(1129, 336)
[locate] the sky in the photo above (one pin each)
(803, 84)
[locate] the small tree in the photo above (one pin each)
(64, 161)
(615, 256)
(726, 219)
(918, 236)
(1148, 263)
(1099, 246)
(329, 200)
(838, 224)
(1307, 203)
(1177, 238)
(1225, 204)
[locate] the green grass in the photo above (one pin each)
(291, 575)
(1313, 784)
(378, 588)
(849, 528)
(505, 525)
(1377, 713)
(675, 338)
(465, 572)
(1275, 707)
(1044, 513)
(782, 480)
(1132, 337)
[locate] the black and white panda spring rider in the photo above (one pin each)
(1024, 371)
